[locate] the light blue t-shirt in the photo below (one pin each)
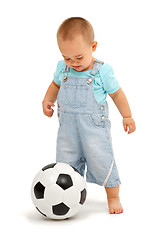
(104, 81)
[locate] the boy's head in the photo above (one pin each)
(75, 38)
(73, 27)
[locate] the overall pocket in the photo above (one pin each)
(100, 121)
(75, 96)
(97, 120)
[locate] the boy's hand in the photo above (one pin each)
(129, 125)
(47, 108)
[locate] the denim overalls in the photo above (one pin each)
(84, 130)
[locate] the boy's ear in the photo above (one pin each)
(94, 46)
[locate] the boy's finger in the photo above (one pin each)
(50, 111)
(130, 129)
(125, 127)
(51, 104)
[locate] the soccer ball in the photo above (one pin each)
(58, 191)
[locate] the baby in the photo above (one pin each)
(80, 86)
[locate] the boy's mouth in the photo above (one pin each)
(76, 67)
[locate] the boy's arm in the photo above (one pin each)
(50, 98)
(52, 92)
(121, 102)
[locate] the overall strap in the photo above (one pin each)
(96, 67)
(66, 69)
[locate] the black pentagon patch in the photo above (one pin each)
(60, 209)
(64, 181)
(41, 212)
(39, 190)
(48, 166)
(83, 196)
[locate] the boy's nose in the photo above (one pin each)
(73, 62)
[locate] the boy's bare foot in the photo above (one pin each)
(115, 206)
(114, 200)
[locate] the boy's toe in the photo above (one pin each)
(112, 211)
(116, 211)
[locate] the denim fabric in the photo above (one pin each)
(84, 137)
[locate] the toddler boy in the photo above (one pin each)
(80, 86)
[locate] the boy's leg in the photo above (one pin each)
(114, 200)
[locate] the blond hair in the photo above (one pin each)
(71, 27)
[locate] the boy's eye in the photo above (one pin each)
(67, 59)
(79, 58)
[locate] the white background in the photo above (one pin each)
(127, 37)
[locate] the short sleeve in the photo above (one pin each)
(110, 83)
(58, 75)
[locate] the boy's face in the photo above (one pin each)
(77, 53)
